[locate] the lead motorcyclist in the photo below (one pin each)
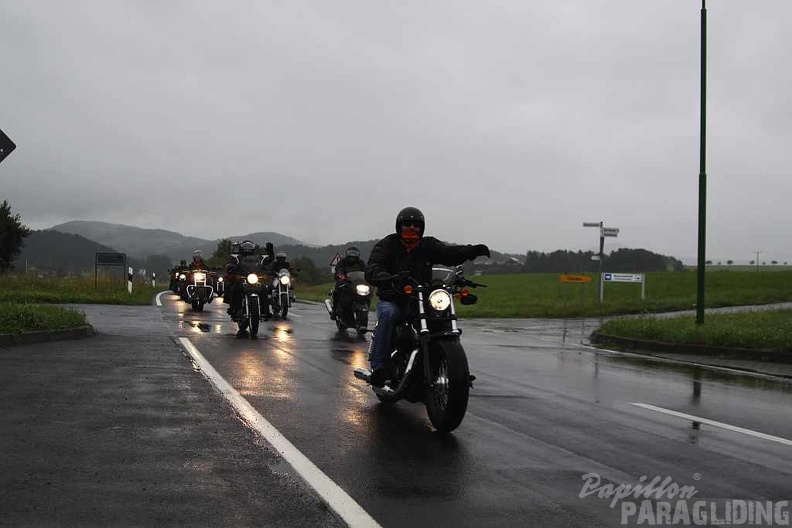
(405, 251)
(198, 262)
(350, 262)
(242, 263)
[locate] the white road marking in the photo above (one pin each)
(159, 302)
(337, 499)
(715, 424)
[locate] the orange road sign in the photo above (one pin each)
(575, 278)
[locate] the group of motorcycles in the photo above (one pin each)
(428, 362)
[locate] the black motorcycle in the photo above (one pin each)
(281, 293)
(198, 289)
(428, 362)
(251, 308)
(354, 301)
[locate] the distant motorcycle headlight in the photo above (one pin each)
(439, 300)
(219, 279)
(199, 276)
(252, 278)
(182, 277)
(363, 289)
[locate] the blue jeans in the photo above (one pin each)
(388, 313)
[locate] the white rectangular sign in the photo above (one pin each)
(622, 277)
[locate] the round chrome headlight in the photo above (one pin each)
(252, 278)
(363, 289)
(199, 276)
(439, 300)
(182, 276)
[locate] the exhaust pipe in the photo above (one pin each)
(328, 306)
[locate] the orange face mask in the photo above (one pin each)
(410, 236)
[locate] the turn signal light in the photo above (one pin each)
(408, 289)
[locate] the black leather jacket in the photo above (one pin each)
(347, 264)
(390, 256)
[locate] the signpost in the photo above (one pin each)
(6, 146)
(604, 232)
(108, 259)
(334, 262)
(625, 277)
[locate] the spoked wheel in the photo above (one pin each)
(255, 316)
(446, 401)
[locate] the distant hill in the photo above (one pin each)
(53, 252)
(142, 243)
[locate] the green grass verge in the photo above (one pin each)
(771, 330)
(74, 291)
(24, 317)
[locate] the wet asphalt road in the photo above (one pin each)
(544, 412)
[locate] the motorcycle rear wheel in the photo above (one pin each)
(446, 401)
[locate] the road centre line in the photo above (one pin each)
(335, 497)
(713, 423)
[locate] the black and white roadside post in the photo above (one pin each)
(129, 280)
(153, 279)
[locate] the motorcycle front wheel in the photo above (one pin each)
(446, 401)
(255, 316)
(284, 306)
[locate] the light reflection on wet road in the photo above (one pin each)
(544, 411)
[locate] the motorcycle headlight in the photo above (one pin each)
(284, 280)
(439, 300)
(182, 276)
(199, 276)
(252, 278)
(362, 289)
(219, 279)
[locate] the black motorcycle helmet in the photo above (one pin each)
(353, 252)
(247, 247)
(280, 256)
(410, 215)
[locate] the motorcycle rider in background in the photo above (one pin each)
(242, 263)
(198, 262)
(406, 251)
(280, 263)
(350, 262)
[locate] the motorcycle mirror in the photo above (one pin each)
(469, 299)
(460, 271)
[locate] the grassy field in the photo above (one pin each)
(518, 295)
(544, 295)
(25, 303)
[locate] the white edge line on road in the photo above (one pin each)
(337, 499)
(715, 424)
(159, 302)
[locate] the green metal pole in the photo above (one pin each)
(702, 227)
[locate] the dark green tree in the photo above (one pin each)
(12, 236)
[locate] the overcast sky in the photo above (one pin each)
(506, 122)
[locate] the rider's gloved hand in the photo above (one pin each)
(481, 250)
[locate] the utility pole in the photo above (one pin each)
(702, 217)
